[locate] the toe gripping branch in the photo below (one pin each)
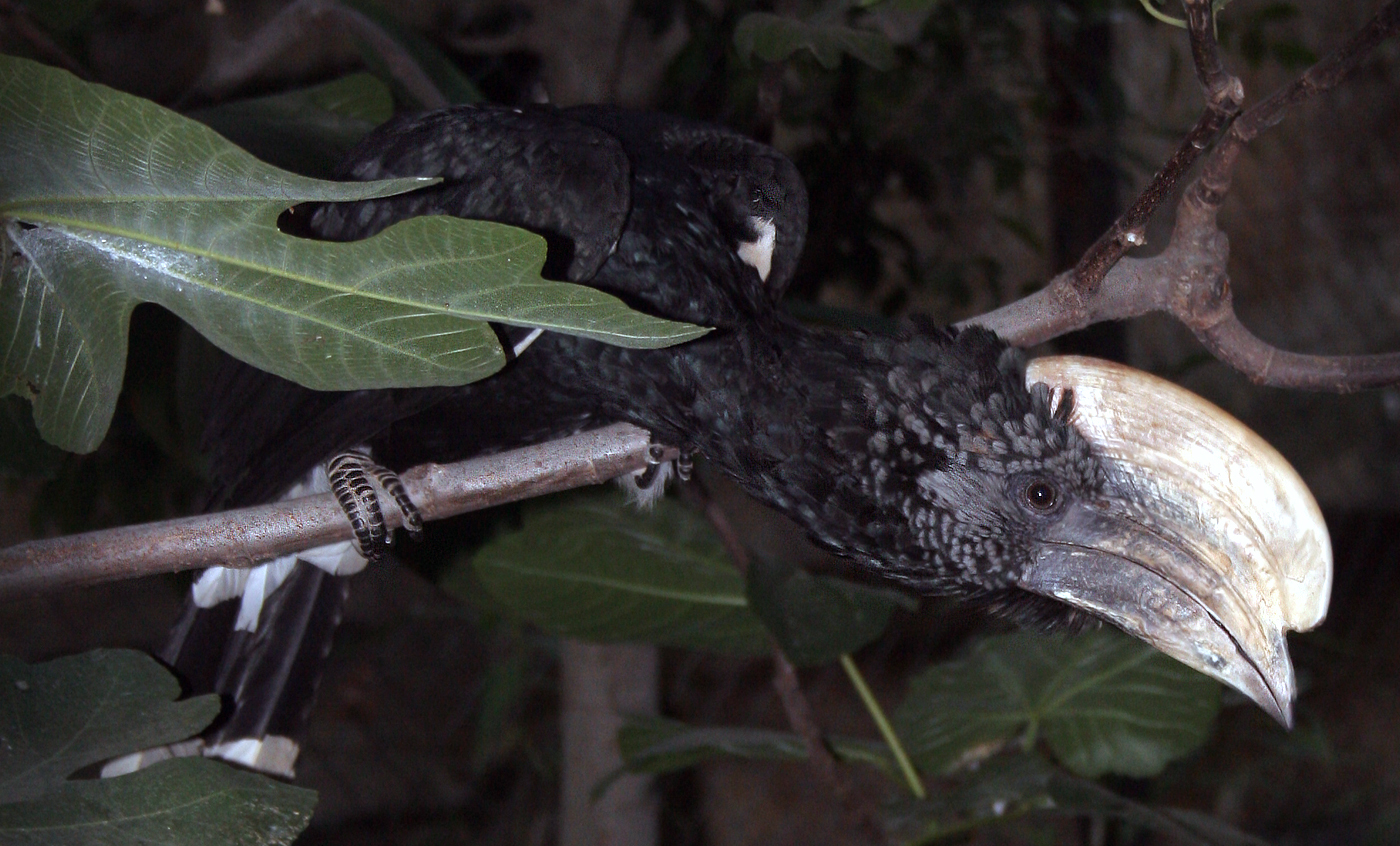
(350, 474)
(656, 461)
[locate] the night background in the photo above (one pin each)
(958, 155)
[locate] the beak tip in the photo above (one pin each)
(1230, 561)
(1281, 700)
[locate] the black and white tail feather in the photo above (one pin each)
(259, 636)
(629, 203)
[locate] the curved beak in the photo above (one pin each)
(1207, 544)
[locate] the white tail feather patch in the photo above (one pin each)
(140, 760)
(526, 342)
(273, 754)
(255, 584)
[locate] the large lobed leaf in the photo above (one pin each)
(108, 200)
(587, 566)
(816, 619)
(182, 802)
(1008, 787)
(1103, 702)
(67, 714)
(58, 717)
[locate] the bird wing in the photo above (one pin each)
(746, 187)
(673, 216)
(758, 178)
(531, 167)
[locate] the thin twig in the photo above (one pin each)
(799, 712)
(1330, 71)
(1223, 91)
(1224, 95)
(1188, 279)
(243, 537)
(858, 807)
(232, 64)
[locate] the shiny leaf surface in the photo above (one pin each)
(590, 566)
(1103, 702)
(109, 200)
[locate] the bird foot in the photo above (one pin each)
(655, 469)
(349, 474)
(646, 486)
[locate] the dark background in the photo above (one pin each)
(1003, 140)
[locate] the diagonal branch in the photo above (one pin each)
(246, 536)
(1188, 279)
(1224, 95)
(860, 810)
(233, 63)
(1329, 72)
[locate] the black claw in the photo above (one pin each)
(412, 517)
(656, 454)
(648, 477)
(360, 502)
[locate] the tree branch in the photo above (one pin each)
(245, 536)
(1329, 72)
(233, 63)
(1188, 279)
(860, 811)
(1224, 95)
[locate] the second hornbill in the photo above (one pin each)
(930, 458)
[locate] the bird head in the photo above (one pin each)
(1074, 489)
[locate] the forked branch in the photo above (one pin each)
(1188, 279)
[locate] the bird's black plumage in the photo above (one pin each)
(912, 454)
(923, 457)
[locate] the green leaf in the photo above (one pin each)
(183, 802)
(1008, 787)
(1078, 795)
(1104, 703)
(816, 619)
(66, 714)
(61, 716)
(589, 566)
(660, 745)
(308, 130)
(774, 38)
(112, 200)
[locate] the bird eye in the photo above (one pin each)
(1039, 495)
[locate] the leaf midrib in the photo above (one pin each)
(327, 287)
(716, 599)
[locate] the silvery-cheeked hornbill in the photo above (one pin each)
(931, 459)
